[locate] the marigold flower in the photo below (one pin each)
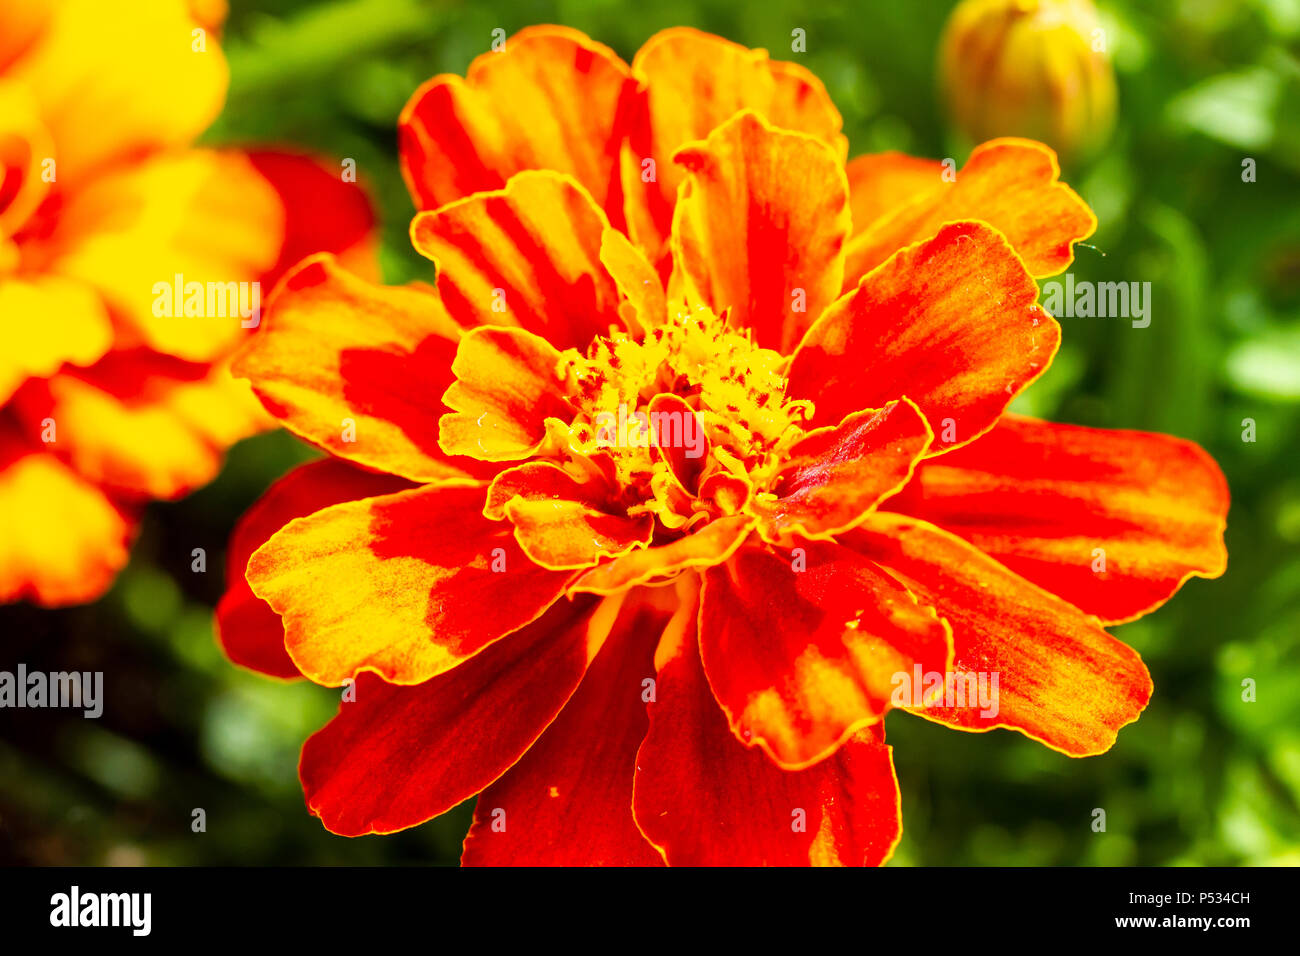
(105, 401)
(1037, 68)
(636, 530)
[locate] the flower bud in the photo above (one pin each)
(1033, 68)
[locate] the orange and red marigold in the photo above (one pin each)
(641, 649)
(106, 402)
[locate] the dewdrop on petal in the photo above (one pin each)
(1034, 68)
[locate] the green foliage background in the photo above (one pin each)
(1203, 778)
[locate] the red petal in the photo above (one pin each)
(686, 462)
(1061, 678)
(1011, 184)
(358, 369)
(709, 545)
(397, 756)
(1042, 498)
(691, 83)
(802, 649)
(760, 227)
(705, 799)
(527, 256)
(836, 475)
(406, 585)
(951, 323)
(568, 802)
(506, 387)
(551, 99)
(879, 183)
(249, 631)
(561, 522)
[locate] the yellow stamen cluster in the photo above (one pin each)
(735, 389)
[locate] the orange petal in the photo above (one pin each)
(691, 83)
(760, 227)
(879, 183)
(802, 647)
(551, 99)
(568, 802)
(397, 756)
(527, 256)
(62, 540)
(562, 522)
(249, 631)
(705, 799)
(1043, 498)
(1013, 185)
(142, 424)
(837, 474)
(711, 544)
(951, 323)
(1062, 680)
(115, 86)
(407, 585)
(46, 321)
(357, 369)
(198, 219)
(507, 384)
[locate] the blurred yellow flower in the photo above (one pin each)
(114, 386)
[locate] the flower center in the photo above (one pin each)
(690, 400)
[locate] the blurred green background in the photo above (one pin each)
(1203, 778)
